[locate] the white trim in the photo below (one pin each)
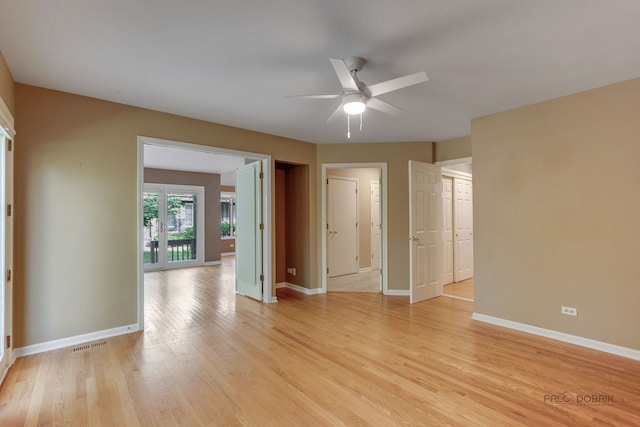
(304, 290)
(140, 237)
(75, 340)
(227, 253)
(460, 161)
(457, 297)
(398, 292)
(281, 285)
(383, 212)
(365, 270)
(6, 120)
(452, 173)
(559, 336)
(212, 263)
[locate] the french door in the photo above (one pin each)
(173, 226)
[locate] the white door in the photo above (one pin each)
(6, 251)
(447, 230)
(249, 226)
(463, 225)
(376, 231)
(424, 223)
(342, 226)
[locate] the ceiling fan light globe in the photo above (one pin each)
(354, 103)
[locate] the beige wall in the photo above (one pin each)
(76, 206)
(364, 177)
(7, 91)
(211, 184)
(551, 227)
(451, 149)
(227, 246)
(397, 156)
(281, 224)
(297, 222)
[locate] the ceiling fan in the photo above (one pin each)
(356, 96)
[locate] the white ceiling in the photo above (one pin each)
(160, 157)
(233, 62)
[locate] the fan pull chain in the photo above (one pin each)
(348, 126)
(360, 122)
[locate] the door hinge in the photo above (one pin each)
(327, 181)
(262, 277)
(261, 226)
(9, 145)
(9, 210)
(8, 341)
(8, 275)
(261, 175)
(327, 270)
(356, 224)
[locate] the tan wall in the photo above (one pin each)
(364, 177)
(227, 246)
(7, 87)
(396, 155)
(76, 222)
(281, 224)
(451, 149)
(211, 184)
(297, 222)
(551, 227)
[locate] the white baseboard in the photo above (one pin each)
(213, 263)
(560, 336)
(227, 253)
(73, 341)
(303, 290)
(398, 292)
(281, 285)
(365, 270)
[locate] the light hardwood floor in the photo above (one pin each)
(210, 357)
(368, 281)
(463, 290)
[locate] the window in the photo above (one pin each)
(227, 215)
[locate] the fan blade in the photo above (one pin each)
(335, 113)
(399, 83)
(344, 75)
(383, 106)
(313, 96)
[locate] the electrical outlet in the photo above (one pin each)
(289, 270)
(569, 311)
(293, 271)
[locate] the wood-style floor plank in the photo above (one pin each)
(211, 357)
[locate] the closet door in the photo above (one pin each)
(463, 226)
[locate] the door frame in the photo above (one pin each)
(371, 183)
(383, 217)
(8, 132)
(266, 210)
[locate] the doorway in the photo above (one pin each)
(457, 236)
(354, 215)
(201, 156)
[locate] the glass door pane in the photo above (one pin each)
(181, 226)
(153, 228)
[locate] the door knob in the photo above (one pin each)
(413, 238)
